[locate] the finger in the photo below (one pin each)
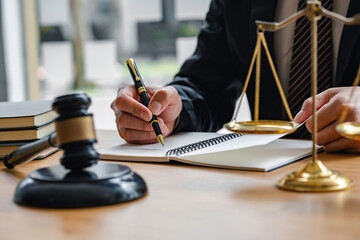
(128, 91)
(150, 91)
(352, 113)
(329, 112)
(304, 112)
(343, 144)
(126, 120)
(127, 135)
(162, 99)
(114, 108)
(355, 149)
(131, 135)
(327, 134)
(140, 142)
(128, 104)
(321, 99)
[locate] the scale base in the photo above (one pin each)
(100, 184)
(315, 177)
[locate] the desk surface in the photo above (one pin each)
(188, 202)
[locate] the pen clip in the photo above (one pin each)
(131, 63)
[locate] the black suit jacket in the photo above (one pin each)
(210, 81)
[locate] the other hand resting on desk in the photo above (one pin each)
(330, 105)
(132, 117)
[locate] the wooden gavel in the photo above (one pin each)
(75, 134)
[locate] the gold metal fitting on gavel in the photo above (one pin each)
(74, 130)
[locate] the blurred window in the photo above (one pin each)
(84, 44)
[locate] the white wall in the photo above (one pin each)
(54, 12)
(132, 12)
(191, 9)
(14, 53)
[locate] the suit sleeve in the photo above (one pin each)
(206, 82)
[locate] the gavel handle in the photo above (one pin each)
(29, 151)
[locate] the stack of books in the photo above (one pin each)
(24, 122)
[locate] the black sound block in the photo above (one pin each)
(97, 185)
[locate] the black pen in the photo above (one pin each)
(140, 87)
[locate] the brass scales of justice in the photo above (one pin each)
(314, 177)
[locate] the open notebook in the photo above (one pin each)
(234, 151)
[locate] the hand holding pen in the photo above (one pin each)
(141, 89)
(133, 118)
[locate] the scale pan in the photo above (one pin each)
(349, 130)
(262, 127)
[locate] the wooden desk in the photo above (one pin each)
(186, 202)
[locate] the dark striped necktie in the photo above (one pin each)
(300, 68)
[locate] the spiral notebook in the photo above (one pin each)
(233, 151)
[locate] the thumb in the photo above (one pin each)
(321, 99)
(163, 98)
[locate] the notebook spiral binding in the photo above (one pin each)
(202, 144)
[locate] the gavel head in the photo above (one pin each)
(75, 132)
